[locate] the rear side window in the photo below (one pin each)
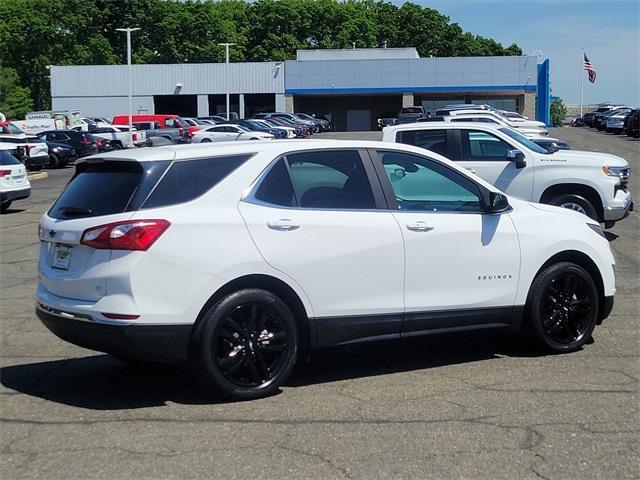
(98, 189)
(187, 180)
(7, 159)
(434, 140)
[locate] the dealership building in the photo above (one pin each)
(351, 87)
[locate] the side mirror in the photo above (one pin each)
(518, 157)
(496, 203)
(552, 148)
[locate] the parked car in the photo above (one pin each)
(82, 142)
(302, 129)
(14, 183)
(214, 118)
(292, 118)
(31, 151)
(410, 115)
(256, 126)
(551, 145)
(528, 126)
(153, 131)
(482, 116)
(301, 249)
(61, 154)
(587, 119)
(614, 123)
(594, 184)
(632, 124)
(119, 136)
(387, 119)
(104, 144)
(599, 115)
(323, 125)
(577, 122)
(162, 120)
(290, 132)
(228, 132)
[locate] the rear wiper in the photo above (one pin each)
(68, 211)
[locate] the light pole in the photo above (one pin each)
(226, 50)
(128, 31)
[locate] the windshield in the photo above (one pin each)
(518, 137)
(14, 129)
(412, 110)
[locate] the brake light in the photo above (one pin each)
(180, 131)
(4, 173)
(134, 136)
(127, 235)
(85, 141)
(29, 147)
(99, 143)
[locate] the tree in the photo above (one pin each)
(15, 101)
(558, 111)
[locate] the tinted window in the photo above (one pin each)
(484, 146)
(187, 180)
(7, 159)
(434, 140)
(420, 184)
(98, 189)
(330, 179)
(518, 137)
(276, 187)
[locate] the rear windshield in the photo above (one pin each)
(412, 110)
(98, 189)
(7, 159)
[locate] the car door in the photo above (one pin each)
(485, 153)
(315, 217)
(461, 264)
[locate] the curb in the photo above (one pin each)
(37, 176)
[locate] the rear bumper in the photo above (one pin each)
(15, 194)
(161, 343)
(39, 161)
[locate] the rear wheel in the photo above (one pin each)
(562, 308)
(577, 203)
(245, 346)
(116, 145)
(205, 140)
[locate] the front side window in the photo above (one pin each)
(171, 123)
(482, 146)
(434, 140)
(420, 184)
(332, 179)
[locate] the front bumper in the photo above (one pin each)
(618, 212)
(606, 308)
(160, 343)
(15, 194)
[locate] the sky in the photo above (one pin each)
(607, 30)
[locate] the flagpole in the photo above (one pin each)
(582, 84)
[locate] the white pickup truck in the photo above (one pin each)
(595, 184)
(119, 136)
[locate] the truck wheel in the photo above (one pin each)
(117, 145)
(577, 203)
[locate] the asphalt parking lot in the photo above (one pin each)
(466, 406)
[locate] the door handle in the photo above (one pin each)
(419, 227)
(471, 170)
(284, 225)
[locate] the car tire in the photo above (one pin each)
(54, 161)
(245, 345)
(116, 146)
(562, 308)
(575, 202)
(205, 140)
(5, 205)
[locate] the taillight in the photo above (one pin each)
(180, 131)
(127, 235)
(86, 142)
(134, 136)
(4, 173)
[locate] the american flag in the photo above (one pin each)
(588, 66)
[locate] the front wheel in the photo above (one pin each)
(562, 308)
(577, 203)
(245, 346)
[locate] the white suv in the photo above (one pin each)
(238, 256)
(594, 184)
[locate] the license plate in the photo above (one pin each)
(62, 256)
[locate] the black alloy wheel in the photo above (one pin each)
(563, 307)
(245, 346)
